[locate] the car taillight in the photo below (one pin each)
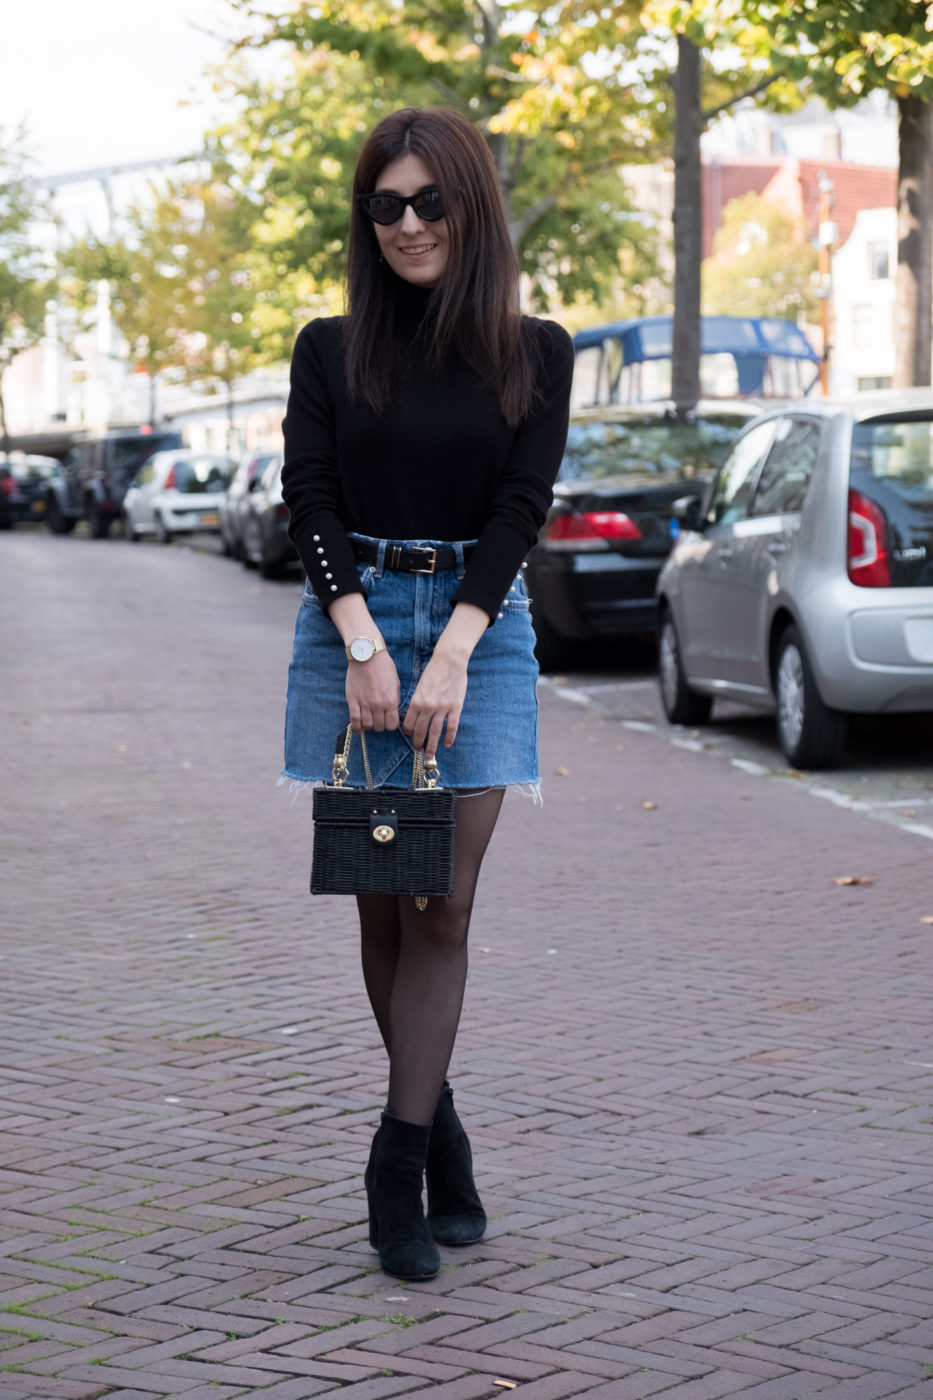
(593, 529)
(868, 562)
(170, 481)
(8, 486)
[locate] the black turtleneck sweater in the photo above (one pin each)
(440, 464)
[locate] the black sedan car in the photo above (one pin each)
(593, 572)
(23, 483)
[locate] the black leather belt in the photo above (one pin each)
(412, 559)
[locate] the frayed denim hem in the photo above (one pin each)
(297, 787)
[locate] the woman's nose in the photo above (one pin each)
(410, 221)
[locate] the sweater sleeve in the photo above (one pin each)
(525, 489)
(310, 476)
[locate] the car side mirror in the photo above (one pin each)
(687, 512)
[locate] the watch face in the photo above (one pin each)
(361, 649)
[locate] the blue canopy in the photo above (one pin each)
(750, 340)
(650, 337)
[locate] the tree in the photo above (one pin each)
(840, 51)
(761, 264)
(25, 281)
(184, 286)
(557, 128)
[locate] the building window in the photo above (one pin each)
(874, 381)
(879, 262)
(863, 324)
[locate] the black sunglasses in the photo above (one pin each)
(384, 207)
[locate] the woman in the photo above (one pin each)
(422, 437)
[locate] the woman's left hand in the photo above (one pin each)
(438, 698)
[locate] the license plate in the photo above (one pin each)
(210, 518)
(38, 507)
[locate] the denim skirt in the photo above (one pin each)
(497, 740)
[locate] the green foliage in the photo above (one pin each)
(760, 266)
(184, 281)
(25, 282)
(558, 127)
(838, 50)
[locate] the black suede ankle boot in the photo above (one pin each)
(455, 1211)
(394, 1180)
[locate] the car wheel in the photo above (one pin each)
(162, 533)
(811, 735)
(58, 523)
(98, 521)
(130, 530)
(682, 704)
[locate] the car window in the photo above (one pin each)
(891, 464)
(270, 472)
(649, 450)
(130, 453)
(732, 490)
(786, 474)
(196, 474)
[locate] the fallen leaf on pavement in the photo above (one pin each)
(562, 772)
(855, 880)
(506, 1385)
(650, 806)
(927, 919)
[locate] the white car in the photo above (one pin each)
(803, 581)
(177, 492)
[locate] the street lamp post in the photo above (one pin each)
(828, 238)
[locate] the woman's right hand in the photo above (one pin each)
(373, 693)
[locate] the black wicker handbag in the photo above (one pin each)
(383, 840)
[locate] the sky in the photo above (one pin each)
(105, 82)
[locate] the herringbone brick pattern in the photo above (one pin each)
(696, 1071)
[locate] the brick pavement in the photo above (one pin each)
(696, 1071)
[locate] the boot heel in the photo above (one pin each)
(394, 1183)
(455, 1211)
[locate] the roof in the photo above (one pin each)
(864, 406)
(794, 185)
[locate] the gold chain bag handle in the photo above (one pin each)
(424, 776)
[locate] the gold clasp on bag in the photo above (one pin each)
(384, 834)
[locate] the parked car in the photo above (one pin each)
(24, 480)
(235, 506)
(96, 476)
(177, 493)
(803, 581)
(593, 572)
(265, 528)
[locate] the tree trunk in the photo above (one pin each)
(688, 228)
(4, 434)
(913, 308)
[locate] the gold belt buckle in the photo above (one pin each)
(425, 549)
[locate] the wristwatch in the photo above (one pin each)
(364, 648)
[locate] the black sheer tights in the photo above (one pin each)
(415, 966)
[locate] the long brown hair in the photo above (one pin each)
(474, 309)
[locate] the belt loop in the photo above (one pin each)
(380, 559)
(461, 566)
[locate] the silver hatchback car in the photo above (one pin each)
(802, 582)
